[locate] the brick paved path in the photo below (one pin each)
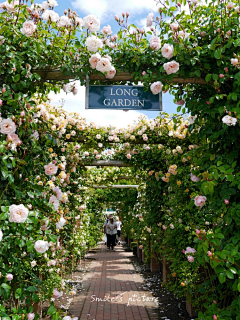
(112, 290)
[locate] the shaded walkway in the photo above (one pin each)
(113, 290)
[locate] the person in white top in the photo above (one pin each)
(111, 230)
(119, 223)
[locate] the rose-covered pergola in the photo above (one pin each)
(186, 208)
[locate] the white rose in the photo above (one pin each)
(11, 7)
(230, 121)
(92, 23)
(104, 65)
(41, 246)
(50, 14)
(1, 235)
(33, 263)
(150, 19)
(52, 3)
(28, 28)
(7, 126)
(63, 22)
(60, 223)
(18, 213)
(93, 43)
(167, 51)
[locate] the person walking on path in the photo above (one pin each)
(111, 230)
(119, 223)
(105, 230)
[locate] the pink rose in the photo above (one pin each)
(13, 138)
(156, 87)
(18, 213)
(9, 277)
(209, 253)
(7, 126)
(94, 60)
(111, 73)
(214, 317)
(31, 316)
(107, 30)
(140, 247)
(190, 258)
(28, 28)
(41, 246)
(234, 61)
(174, 26)
(129, 156)
(199, 201)
(226, 201)
(167, 51)
(155, 43)
(195, 178)
(150, 19)
(50, 169)
(197, 231)
(171, 67)
(230, 5)
(56, 294)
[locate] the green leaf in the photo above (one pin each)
(16, 78)
(229, 274)
(222, 277)
(233, 270)
(238, 287)
(18, 293)
(51, 310)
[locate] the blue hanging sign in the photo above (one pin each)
(122, 97)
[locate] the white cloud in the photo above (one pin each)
(71, 103)
(105, 8)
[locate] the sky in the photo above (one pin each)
(106, 10)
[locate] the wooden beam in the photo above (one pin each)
(57, 75)
(115, 186)
(108, 163)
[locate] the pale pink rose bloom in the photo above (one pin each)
(140, 247)
(98, 156)
(107, 30)
(31, 316)
(13, 138)
(18, 213)
(60, 223)
(155, 43)
(111, 73)
(50, 15)
(94, 60)
(229, 121)
(93, 43)
(234, 61)
(226, 201)
(50, 169)
(104, 65)
(51, 3)
(1, 235)
(63, 22)
(92, 23)
(167, 50)
(28, 28)
(58, 192)
(33, 263)
(56, 294)
(9, 277)
(209, 253)
(189, 250)
(214, 317)
(197, 231)
(41, 246)
(150, 17)
(190, 258)
(171, 67)
(129, 156)
(174, 26)
(230, 5)
(79, 21)
(156, 87)
(199, 201)
(11, 7)
(54, 201)
(7, 126)
(195, 178)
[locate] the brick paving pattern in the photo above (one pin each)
(112, 290)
